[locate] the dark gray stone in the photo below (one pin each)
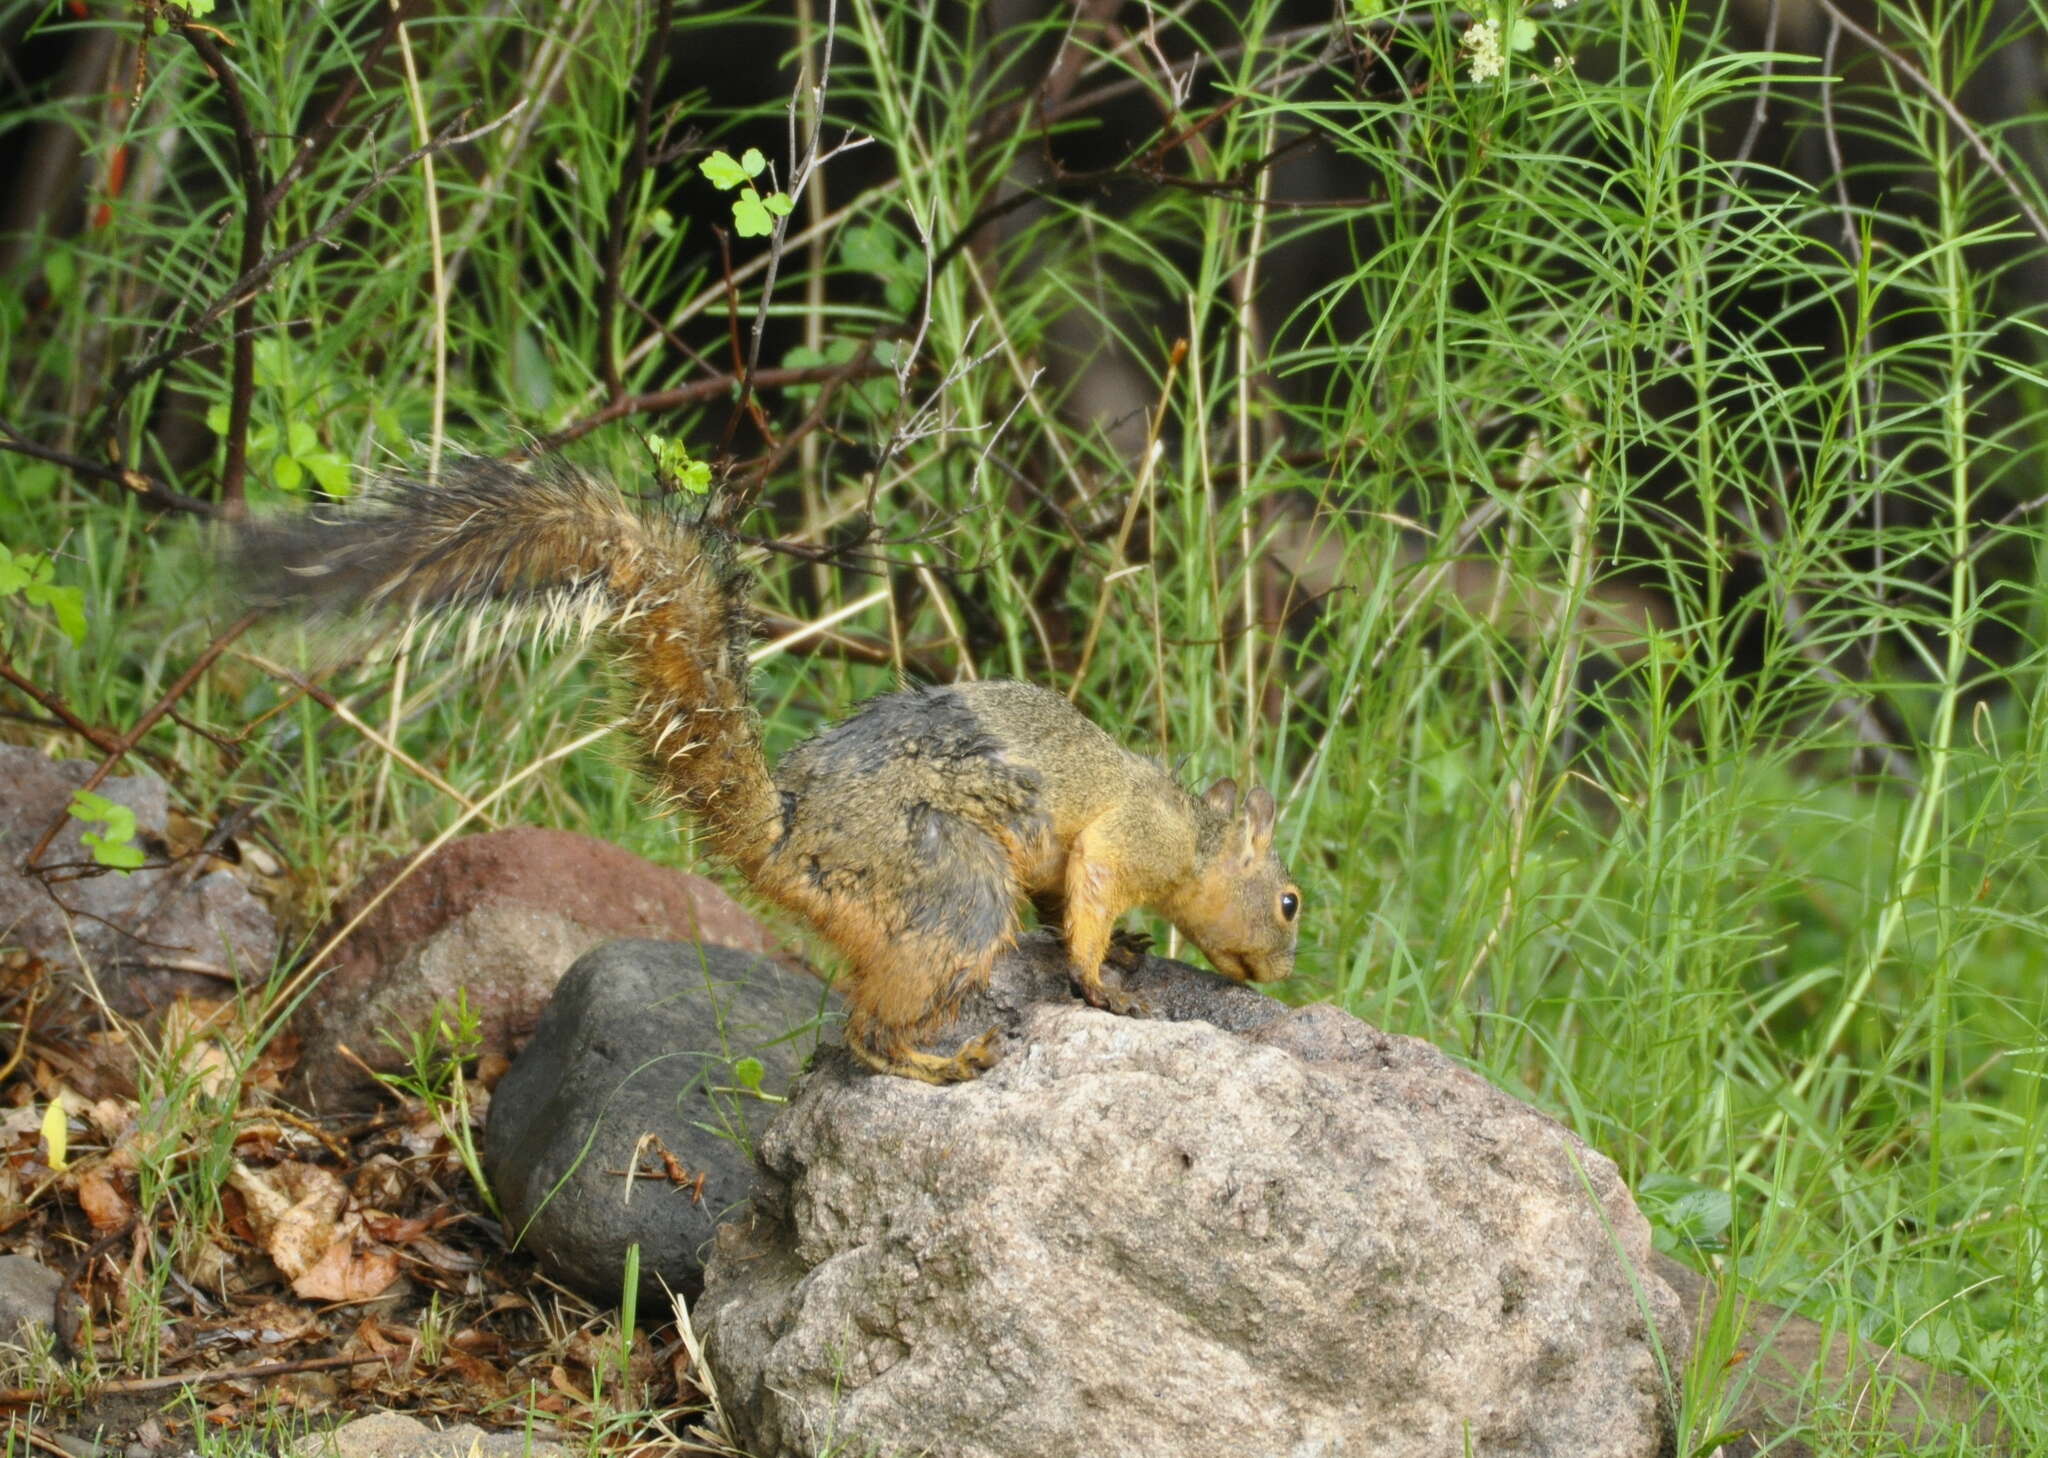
(147, 935)
(640, 1038)
(28, 1296)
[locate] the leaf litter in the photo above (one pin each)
(227, 1260)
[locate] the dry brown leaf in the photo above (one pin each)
(344, 1274)
(380, 1183)
(206, 1264)
(104, 1204)
(295, 1211)
(112, 1118)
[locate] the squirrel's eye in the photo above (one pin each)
(1289, 905)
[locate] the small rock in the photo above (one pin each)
(146, 935)
(1149, 1236)
(395, 1435)
(500, 916)
(28, 1296)
(1790, 1369)
(641, 1038)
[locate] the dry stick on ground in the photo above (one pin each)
(143, 725)
(17, 1396)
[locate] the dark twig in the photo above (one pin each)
(16, 1396)
(329, 126)
(143, 725)
(140, 482)
(1948, 109)
(696, 393)
(100, 739)
(742, 496)
(256, 207)
(625, 200)
(256, 279)
(748, 405)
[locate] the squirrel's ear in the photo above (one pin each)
(1259, 813)
(1222, 797)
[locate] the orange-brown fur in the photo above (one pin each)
(908, 835)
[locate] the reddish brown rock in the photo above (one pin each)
(498, 917)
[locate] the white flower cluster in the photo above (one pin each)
(1483, 41)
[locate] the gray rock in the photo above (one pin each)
(28, 1296)
(1785, 1371)
(641, 1038)
(497, 918)
(1150, 1236)
(145, 935)
(395, 1435)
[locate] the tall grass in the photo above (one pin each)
(1613, 526)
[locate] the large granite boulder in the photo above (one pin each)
(1159, 1236)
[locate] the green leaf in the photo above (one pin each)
(753, 161)
(533, 376)
(695, 478)
(33, 480)
(271, 362)
(60, 272)
(301, 439)
(287, 473)
(115, 845)
(868, 248)
(1521, 34)
(748, 1073)
(778, 203)
(1683, 1212)
(68, 603)
(661, 223)
(330, 470)
(217, 419)
(750, 217)
(725, 174)
(15, 573)
(197, 8)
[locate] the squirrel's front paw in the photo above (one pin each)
(1096, 993)
(1127, 950)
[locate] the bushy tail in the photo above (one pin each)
(570, 549)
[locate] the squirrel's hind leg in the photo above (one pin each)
(890, 1050)
(884, 1027)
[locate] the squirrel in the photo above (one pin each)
(909, 834)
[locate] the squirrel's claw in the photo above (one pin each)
(1127, 950)
(1096, 993)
